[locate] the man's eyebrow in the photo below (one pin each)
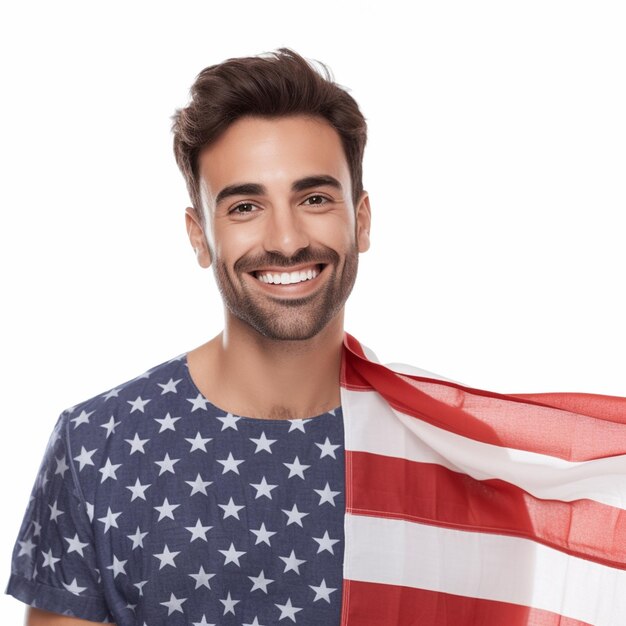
(254, 189)
(242, 189)
(315, 181)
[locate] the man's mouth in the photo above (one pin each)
(278, 276)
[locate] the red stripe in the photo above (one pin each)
(422, 492)
(520, 422)
(372, 604)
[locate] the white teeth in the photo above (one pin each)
(288, 278)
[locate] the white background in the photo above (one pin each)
(496, 166)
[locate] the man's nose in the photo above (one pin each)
(286, 233)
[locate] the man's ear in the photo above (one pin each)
(195, 231)
(363, 222)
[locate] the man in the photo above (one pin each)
(210, 489)
(278, 474)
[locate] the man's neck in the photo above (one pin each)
(247, 374)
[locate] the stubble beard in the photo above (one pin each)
(294, 319)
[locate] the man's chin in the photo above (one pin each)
(283, 329)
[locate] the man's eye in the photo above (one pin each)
(316, 200)
(244, 207)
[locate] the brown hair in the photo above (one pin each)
(270, 85)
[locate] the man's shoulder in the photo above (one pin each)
(165, 384)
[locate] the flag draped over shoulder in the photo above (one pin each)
(470, 507)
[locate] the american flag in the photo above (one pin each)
(470, 507)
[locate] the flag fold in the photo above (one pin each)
(465, 506)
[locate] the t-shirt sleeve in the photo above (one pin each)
(54, 562)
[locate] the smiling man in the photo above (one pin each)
(278, 474)
(211, 489)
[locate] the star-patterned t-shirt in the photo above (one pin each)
(153, 506)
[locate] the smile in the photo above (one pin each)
(274, 277)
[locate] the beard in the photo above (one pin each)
(288, 319)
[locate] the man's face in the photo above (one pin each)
(283, 234)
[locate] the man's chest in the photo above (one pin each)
(236, 517)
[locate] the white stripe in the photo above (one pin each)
(371, 425)
(402, 368)
(480, 565)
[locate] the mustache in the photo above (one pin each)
(308, 256)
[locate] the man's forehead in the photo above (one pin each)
(273, 152)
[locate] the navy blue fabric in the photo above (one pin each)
(153, 506)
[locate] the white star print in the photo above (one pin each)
(169, 386)
(54, 512)
(138, 490)
(166, 557)
(166, 510)
(114, 393)
(62, 466)
(109, 520)
(229, 604)
(294, 516)
(326, 495)
(75, 545)
(296, 425)
(296, 468)
(203, 622)
(263, 489)
(198, 485)
(262, 535)
(231, 509)
(263, 443)
(108, 471)
(287, 610)
(229, 421)
(137, 539)
(167, 464)
(49, 560)
(198, 442)
(254, 623)
(260, 582)
(140, 586)
(74, 588)
(167, 423)
(199, 402)
(174, 604)
(198, 531)
(327, 449)
(117, 566)
(322, 592)
(325, 543)
(36, 528)
(136, 444)
(110, 426)
(231, 555)
(43, 481)
(84, 458)
(230, 464)
(26, 547)
(138, 404)
(202, 578)
(83, 418)
(292, 563)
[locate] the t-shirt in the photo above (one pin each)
(153, 506)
